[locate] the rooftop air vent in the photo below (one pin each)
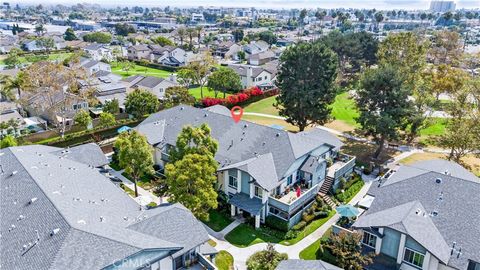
(278, 134)
(32, 200)
(434, 213)
(438, 180)
(206, 114)
(102, 219)
(245, 126)
(14, 172)
(418, 211)
(181, 108)
(55, 231)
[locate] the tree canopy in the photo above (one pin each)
(123, 29)
(347, 249)
(224, 80)
(306, 82)
(267, 259)
(111, 106)
(141, 102)
(177, 95)
(98, 37)
(83, 118)
(8, 141)
(162, 41)
(69, 35)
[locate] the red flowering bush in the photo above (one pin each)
(209, 101)
(253, 91)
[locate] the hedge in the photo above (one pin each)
(276, 223)
(348, 194)
(158, 66)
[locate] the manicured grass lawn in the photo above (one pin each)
(218, 220)
(315, 252)
(245, 235)
(263, 106)
(128, 190)
(344, 109)
(207, 92)
(224, 260)
(140, 70)
(310, 228)
(436, 127)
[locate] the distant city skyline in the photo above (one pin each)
(274, 4)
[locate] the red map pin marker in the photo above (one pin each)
(237, 113)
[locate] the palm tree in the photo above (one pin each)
(191, 33)
(199, 30)
(181, 32)
(9, 84)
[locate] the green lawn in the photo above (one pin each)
(310, 228)
(245, 235)
(207, 92)
(139, 70)
(344, 109)
(316, 252)
(224, 260)
(218, 220)
(263, 106)
(436, 127)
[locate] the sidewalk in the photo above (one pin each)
(129, 184)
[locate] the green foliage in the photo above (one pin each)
(162, 41)
(141, 102)
(276, 223)
(69, 35)
(347, 248)
(83, 118)
(177, 95)
(224, 260)
(291, 234)
(268, 36)
(98, 37)
(13, 58)
(350, 192)
(299, 226)
(8, 141)
(123, 29)
(224, 80)
(111, 106)
(306, 81)
(383, 104)
(194, 140)
(191, 171)
(47, 43)
(107, 119)
(266, 259)
(135, 155)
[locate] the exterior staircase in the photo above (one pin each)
(325, 189)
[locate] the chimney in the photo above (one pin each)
(249, 76)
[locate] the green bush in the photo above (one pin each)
(307, 217)
(276, 223)
(349, 193)
(320, 214)
(300, 225)
(291, 234)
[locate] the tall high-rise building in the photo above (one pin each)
(442, 6)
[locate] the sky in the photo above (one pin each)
(276, 4)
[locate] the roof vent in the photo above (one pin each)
(181, 108)
(14, 172)
(55, 231)
(418, 211)
(438, 180)
(20, 217)
(245, 126)
(206, 114)
(434, 213)
(447, 172)
(278, 134)
(81, 221)
(32, 200)
(102, 219)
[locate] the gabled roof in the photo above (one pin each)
(81, 217)
(445, 198)
(94, 46)
(295, 264)
(411, 219)
(139, 47)
(324, 136)
(89, 153)
(241, 70)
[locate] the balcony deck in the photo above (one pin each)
(342, 164)
(290, 202)
(291, 196)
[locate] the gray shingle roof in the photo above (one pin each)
(295, 264)
(457, 213)
(89, 153)
(324, 136)
(238, 142)
(252, 205)
(86, 207)
(310, 165)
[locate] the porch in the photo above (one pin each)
(341, 165)
(241, 203)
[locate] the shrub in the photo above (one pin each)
(276, 223)
(209, 101)
(320, 214)
(349, 193)
(291, 234)
(300, 225)
(308, 217)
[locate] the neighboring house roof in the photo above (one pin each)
(140, 47)
(149, 82)
(310, 165)
(324, 136)
(262, 55)
(296, 264)
(446, 200)
(89, 153)
(83, 220)
(241, 70)
(94, 47)
(239, 143)
(90, 63)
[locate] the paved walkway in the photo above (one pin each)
(241, 254)
(131, 185)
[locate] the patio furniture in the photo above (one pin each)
(347, 210)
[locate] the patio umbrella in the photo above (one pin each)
(347, 210)
(123, 129)
(143, 200)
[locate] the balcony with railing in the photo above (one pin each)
(290, 202)
(341, 164)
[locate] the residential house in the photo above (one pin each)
(93, 66)
(261, 169)
(227, 50)
(108, 86)
(154, 85)
(138, 52)
(261, 58)
(254, 76)
(59, 212)
(255, 47)
(7, 42)
(424, 216)
(295, 264)
(76, 44)
(169, 55)
(98, 52)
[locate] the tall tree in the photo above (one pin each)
(111, 106)
(123, 29)
(141, 102)
(13, 58)
(177, 95)
(135, 155)
(107, 120)
(306, 82)
(224, 80)
(83, 118)
(383, 104)
(267, 259)
(197, 71)
(69, 35)
(162, 41)
(47, 43)
(347, 249)
(181, 33)
(447, 47)
(191, 171)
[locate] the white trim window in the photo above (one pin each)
(258, 192)
(413, 257)
(369, 239)
(232, 181)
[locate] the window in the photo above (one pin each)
(369, 239)
(232, 182)
(161, 90)
(289, 180)
(413, 257)
(258, 192)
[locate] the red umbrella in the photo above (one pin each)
(299, 191)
